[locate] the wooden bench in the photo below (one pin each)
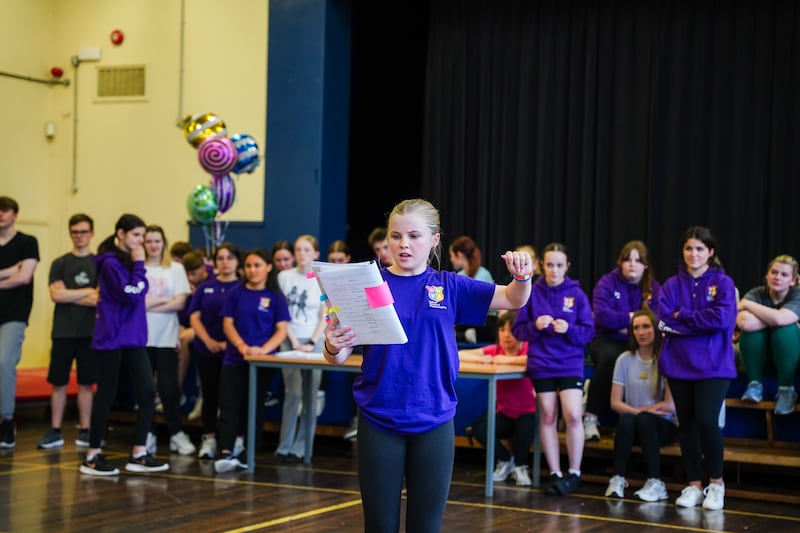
(738, 451)
(32, 385)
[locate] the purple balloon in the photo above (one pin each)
(225, 190)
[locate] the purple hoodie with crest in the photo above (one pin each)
(121, 320)
(551, 354)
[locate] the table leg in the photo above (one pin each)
(490, 431)
(537, 452)
(252, 418)
(310, 406)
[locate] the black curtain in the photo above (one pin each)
(594, 123)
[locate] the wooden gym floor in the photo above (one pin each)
(44, 491)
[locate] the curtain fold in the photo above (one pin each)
(594, 123)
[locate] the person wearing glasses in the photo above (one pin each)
(73, 288)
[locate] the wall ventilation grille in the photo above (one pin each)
(122, 81)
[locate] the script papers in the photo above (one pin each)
(358, 296)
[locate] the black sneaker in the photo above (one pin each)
(82, 440)
(8, 434)
(145, 463)
(551, 487)
(567, 485)
(98, 466)
(51, 439)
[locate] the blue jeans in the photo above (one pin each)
(11, 337)
(293, 431)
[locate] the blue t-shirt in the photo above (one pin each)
(208, 299)
(255, 314)
(408, 389)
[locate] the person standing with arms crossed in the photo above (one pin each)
(406, 393)
(19, 255)
(696, 309)
(73, 288)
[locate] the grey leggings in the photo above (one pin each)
(426, 463)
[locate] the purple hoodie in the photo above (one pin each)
(550, 354)
(121, 317)
(698, 342)
(613, 300)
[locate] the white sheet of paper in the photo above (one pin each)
(296, 354)
(345, 285)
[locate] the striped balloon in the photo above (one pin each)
(217, 155)
(247, 150)
(202, 126)
(225, 190)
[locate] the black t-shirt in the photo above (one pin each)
(16, 303)
(73, 321)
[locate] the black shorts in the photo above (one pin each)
(557, 384)
(61, 355)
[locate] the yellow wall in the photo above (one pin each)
(131, 156)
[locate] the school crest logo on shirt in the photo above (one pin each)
(569, 304)
(435, 295)
(263, 303)
(711, 293)
(617, 295)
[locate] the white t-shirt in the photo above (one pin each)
(163, 328)
(303, 296)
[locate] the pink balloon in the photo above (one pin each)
(225, 190)
(217, 155)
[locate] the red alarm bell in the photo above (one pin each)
(117, 37)
(56, 72)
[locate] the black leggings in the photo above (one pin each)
(209, 369)
(698, 404)
(165, 369)
(521, 431)
(651, 432)
(137, 365)
(234, 387)
(604, 353)
(426, 463)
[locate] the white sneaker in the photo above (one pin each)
(352, 431)
(653, 491)
(208, 449)
(690, 497)
(715, 497)
(616, 487)
(151, 444)
(227, 463)
(590, 431)
(520, 474)
(180, 443)
(238, 447)
(503, 470)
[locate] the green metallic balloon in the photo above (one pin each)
(202, 205)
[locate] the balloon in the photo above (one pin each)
(202, 126)
(247, 151)
(224, 190)
(202, 205)
(217, 155)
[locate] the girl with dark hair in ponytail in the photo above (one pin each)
(120, 337)
(696, 309)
